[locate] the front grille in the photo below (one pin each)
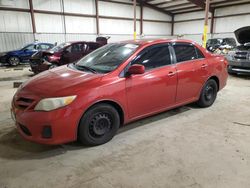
(25, 130)
(23, 103)
(241, 53)
(240, 57)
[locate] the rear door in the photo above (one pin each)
(192, 72)
(156, 88)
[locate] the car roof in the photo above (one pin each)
(39, 43)
(72, 42)
(155, 41)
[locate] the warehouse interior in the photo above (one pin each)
(186, 146)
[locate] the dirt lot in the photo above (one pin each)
(184, 147)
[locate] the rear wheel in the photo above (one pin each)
(14, 61)
(208, 94)
(98, 125)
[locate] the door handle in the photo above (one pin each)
(171, 73)
(204, 66)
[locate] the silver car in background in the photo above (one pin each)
(239, 58)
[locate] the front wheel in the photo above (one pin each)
(98, 125)
(14, 61)
(208, 94)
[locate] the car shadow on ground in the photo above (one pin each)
(13, 146)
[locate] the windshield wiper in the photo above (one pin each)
(86, 68)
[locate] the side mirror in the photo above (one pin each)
(136, 69)
(26, 50)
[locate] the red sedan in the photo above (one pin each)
(114, 85)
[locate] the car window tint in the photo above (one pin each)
(200, 55)
(75, 48)
(31, 47)
(83, 47)
(93, 46)
(184, 52)
(154, 57)
(44, 47)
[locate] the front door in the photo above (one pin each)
(154, 90)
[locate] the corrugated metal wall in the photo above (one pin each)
(223, 26)
(16, 27)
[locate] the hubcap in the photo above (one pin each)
(14, 60)
(100, 125)
(209, 93)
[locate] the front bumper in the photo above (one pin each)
(239, 66)
(55, 127)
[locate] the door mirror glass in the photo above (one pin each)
(136, 69)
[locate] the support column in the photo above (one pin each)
(64, 22)
(206, 24)
(141, 19)
(32, 19)
(134, 5)
(212, 22)
(97, 17)
(172, 26)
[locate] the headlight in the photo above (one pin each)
(49, 104)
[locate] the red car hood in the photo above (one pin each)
(60, 81)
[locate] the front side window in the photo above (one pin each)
(107, 58)
(184, 52)
(30, 47)
(154, 57)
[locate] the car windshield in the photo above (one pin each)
(107, 58)
(214, 42)
(60, 47)
(229, 41)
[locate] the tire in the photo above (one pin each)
(208, 94)
(98, 125)
(53, 66)
(14, 61)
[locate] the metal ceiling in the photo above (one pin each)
(172, 7)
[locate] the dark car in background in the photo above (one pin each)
(23, 54)
(221, 45)
(239, 58)
(64, 53)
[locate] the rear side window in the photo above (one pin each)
(184, 52)
(44, 47)
(154, 57)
